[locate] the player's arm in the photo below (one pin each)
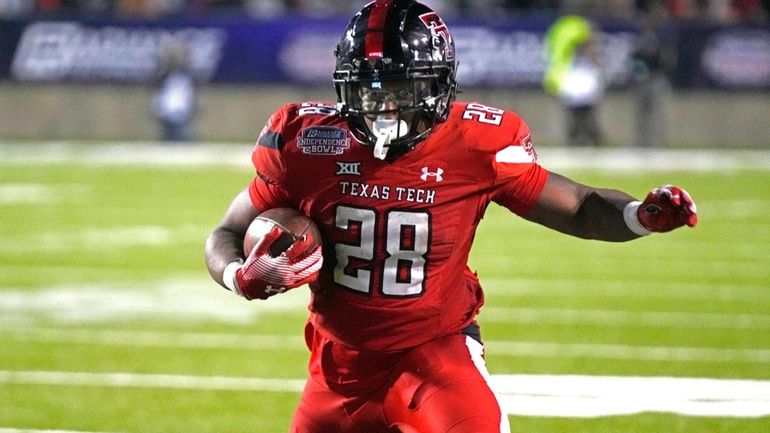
(225, 244)
(608, 214)
(258, 275)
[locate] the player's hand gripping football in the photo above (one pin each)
(667, 208)
(263, 275)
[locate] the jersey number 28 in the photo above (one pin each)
(483, 114)
(406, 246)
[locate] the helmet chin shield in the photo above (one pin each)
(395, 75)
(387, 130)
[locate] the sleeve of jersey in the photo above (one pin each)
(266, 189)
(519, 179)
(266, 196)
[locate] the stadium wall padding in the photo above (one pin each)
(237, 113)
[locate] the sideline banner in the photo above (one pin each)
(221, 51)
(734, 58)
(298, 50)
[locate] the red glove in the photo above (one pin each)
(665, 209)
(263, 275)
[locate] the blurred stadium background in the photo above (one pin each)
(108, 319)
(80, 70)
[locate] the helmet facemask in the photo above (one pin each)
(393, 112)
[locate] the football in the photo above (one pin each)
(295, 226)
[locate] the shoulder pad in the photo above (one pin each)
(291, 117)
(489, 128)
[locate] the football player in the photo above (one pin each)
(397, 176)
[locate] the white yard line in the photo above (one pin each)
(15, 193)
(112, 153)
(26, 430)
(527, 349)
(196, 299)
(525, 395)
(199, 298)
(657, 319)
(191, 299)
(623, 289)
(134, 380)
(191, 340)
(521, 349)
(593, 396)
(624, 159)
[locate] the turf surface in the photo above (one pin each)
(101, 271)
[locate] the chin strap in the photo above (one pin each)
(386, 130)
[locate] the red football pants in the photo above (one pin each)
(438, 387)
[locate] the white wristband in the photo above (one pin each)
(632, 220)
(228, 276)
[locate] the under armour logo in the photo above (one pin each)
(426, 173)
(270, 289)
(351, 168)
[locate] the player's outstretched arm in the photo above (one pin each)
(608, 214)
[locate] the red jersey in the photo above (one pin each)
(396, 235)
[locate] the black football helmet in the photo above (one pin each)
(395, 75)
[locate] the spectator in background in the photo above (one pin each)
(652, 60)
(596, 8)
(516, 7)
(175, 100)
(151, 9)
(574, 74)
(323, 7)
(695, 10)
(16, 8)
(266, 8)
(748, 11)
(47, 7)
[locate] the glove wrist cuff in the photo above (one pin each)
(631, 217)
(229, 277)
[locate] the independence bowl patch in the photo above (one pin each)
(323, 140)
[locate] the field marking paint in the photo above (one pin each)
(624, 289)
(625, 352)
(125, 236)
(184, 298)
(134, 380)
(521, 349)
(658, 319)
(197, 298)
(624, 159)
(190, 340)
(154, 153)
(594, 396)
(27, 430)
(751, 270)
(525, 395)
(730, 210)
(16, 193)
(190, 299)
(126, 153)
(102, 238)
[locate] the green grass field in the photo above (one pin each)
(110, 323)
